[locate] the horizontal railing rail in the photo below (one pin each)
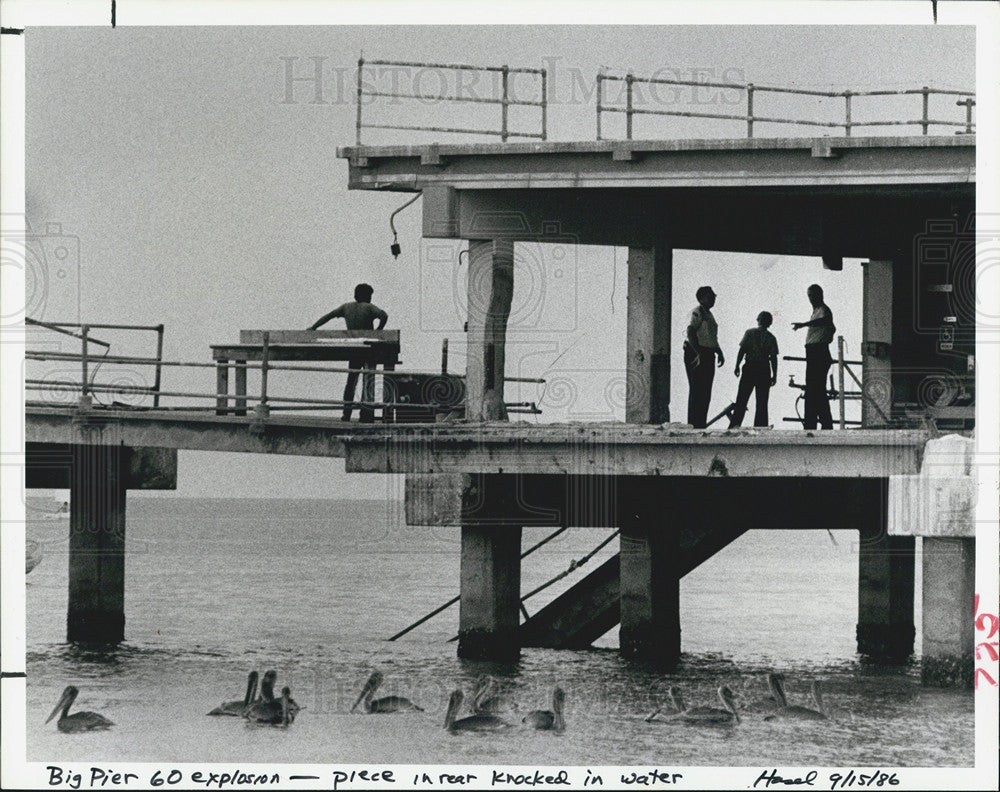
(87, 387)
(506, 100)
(750, 118)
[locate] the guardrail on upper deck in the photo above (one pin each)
(506, 99)
(848, 124)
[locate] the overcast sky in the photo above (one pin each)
(205, 194)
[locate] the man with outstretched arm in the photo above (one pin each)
(358, 315)
(818, 360)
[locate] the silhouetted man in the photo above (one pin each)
(760, 372)
(818, 360)
(358, 315)
(700, 349)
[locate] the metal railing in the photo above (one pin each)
(86, 358)
(506, 99)
(837, 391)
(749, 117)
(86, 387)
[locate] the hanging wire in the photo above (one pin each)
(392, 223)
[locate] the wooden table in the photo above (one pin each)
(370, 348)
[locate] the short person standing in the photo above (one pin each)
(358, 315)
(818, 360)
(760, 372)
(700, 350)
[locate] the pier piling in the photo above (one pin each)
(96, 611)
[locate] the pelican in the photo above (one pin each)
(78, 721)
(268, 709)
(549, 720)
(773, 702)
(237, 707)
(712, 716)
(473, 722)
(802, 713)
(384, 704)
(488, 700)
(676, 701)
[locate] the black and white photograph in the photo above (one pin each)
(562, 395)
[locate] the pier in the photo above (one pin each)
(677, 495)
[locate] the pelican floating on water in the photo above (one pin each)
(473, 722)
(676, 703)
(712, 716)
(549, 720)
(801, 713)
(237, 707)
(488, 700)
(268, 709)
(773, 702)
(384, 704)
(78, 721)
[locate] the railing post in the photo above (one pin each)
(847, 113)
(545, 104)
(262, 409)
(969, 103)
(84, 385)
(840, 381)
(505, 76)
(444, 356)
(749, 110)
(926, 92)
(159, 367)
(628, 105)
(600, 85)
(357, 129)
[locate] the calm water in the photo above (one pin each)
(216, 588)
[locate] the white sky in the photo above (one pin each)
(200, 198)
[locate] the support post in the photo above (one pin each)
(96, 612)
(240, 371)
(650, 580)
(949, 572)
(221, 386)
(886, 566)
(490, 587)
(876, 345)
(490, 290)
(647, 383)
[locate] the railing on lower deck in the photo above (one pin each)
(87, 388)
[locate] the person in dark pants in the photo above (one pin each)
(700, 350)
(818, 360)
(358, 315)
(760, 372)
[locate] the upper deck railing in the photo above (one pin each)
(506, 100)
(750, 118)
(625, 94)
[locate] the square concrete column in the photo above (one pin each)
(490, 587)
(647, 384)
(949, 569)
(650, 578)
(886, 566)
(490, 290)
(96, 611)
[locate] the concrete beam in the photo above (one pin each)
(770, 162)
(48, 466)
(647, 379)
(620, 449)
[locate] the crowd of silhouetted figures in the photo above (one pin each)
(492, 709)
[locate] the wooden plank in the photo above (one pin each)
(317, 336)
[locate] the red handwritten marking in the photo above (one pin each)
(990, 648)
